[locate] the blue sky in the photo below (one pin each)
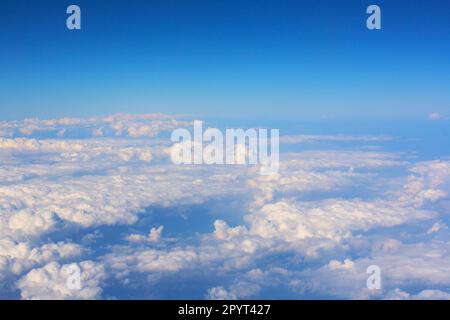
(272, 59)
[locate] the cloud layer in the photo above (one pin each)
(101, 193)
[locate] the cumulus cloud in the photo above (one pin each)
(153, 236)
(220, 293)
(149, 260)
(239, 290)
(20, 256)
(429, 182)
(311, 226)
(116, 196)
(405, 266)
(51, 282)
(345, 265)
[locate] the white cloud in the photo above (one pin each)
(149, 260)
(153, 236)
(295, 139)
(325, 208)
(293, 226)
(220, 293)
(345, 265)
(50, 282)
(398, 294)
(20, 256)
(436, 227)
(435, 116)
(139, 125)
(402, 266)
(428, 183)
(238, 290)
(117, 196)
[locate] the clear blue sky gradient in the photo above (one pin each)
(225, 58)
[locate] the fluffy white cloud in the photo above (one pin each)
(314, 225)
(51, 282)
(153, 236)
(398, 294)
(150, 261)
(428, 183)
(139, 125)
(401, 265)
(345, 265)
(331, 219)
(19, 256)
(239, 290)
(220, 293)
(113, 197)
